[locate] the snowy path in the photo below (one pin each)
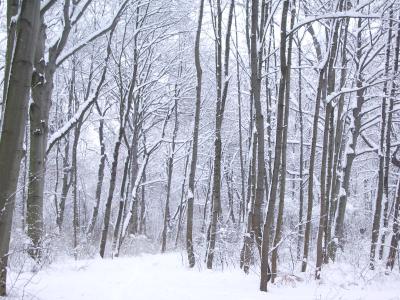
(162, 277)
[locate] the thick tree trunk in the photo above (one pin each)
(13, 126)
(42, 87)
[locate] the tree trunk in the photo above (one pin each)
(67, 177)
(181, 204)
(246, 255)
(337, 148)
(394, 243)
(310, 188)
(122, 204)
(123, 122)
(193, 162)
(113, 177)
(282, 178)
(13, 126)
(75, 220)
(42, 87)
(301, 183)
(269, 219)
(220, 108)
(142, 224)
(12, 11)
(388, 144)
(239, 97)
(349, 154)
(170, 167)
(326, 162)
(381, 172)
(100, 175)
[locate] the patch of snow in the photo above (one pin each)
(166, 276)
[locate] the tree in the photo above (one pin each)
(39, 110)
(13, 127)
(193, 161)
(219, 114)
(265, 272)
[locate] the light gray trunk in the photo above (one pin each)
(13, 127)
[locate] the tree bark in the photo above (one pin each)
(381, 168)
(170, 167)
(220, 108)
(388, 132)
(301, 173)
(13, 127)
(326, 163)
(394, 243)
(74, 163)
(310, 188)
(193, 162)
(349, 154)
(100, 174)
(269, 219)
(12, 11)
(285, 125)
(336, 181)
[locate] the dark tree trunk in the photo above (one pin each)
(193, 162)
(381, 168)
(269, 219)
(100, 175)
(282, 178)
(220, 108)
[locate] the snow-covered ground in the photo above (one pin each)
(167, 277)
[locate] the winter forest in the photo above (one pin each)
(219, 149)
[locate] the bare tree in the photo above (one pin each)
(219, 114)
(193, 161)
(13, 127)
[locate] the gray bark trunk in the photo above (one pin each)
(13, 127)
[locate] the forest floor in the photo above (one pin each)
(163, 277)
